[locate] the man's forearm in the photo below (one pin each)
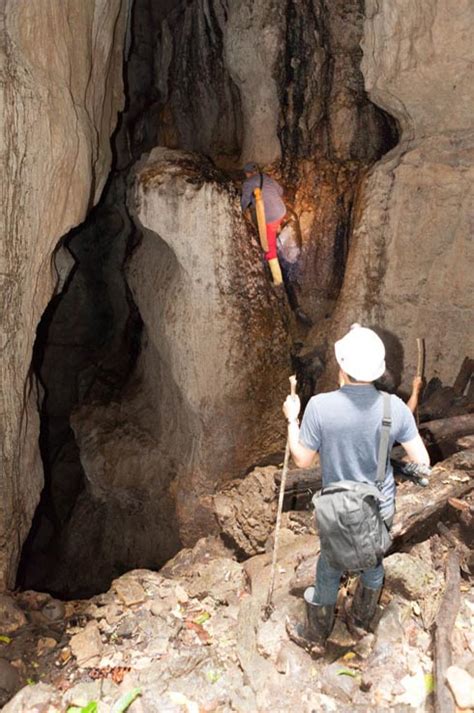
(416, 451)
(303, 457)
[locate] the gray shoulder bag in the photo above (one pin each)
(353, 534)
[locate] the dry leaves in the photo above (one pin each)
(116, 673)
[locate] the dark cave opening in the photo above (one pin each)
(89, 338)
(86, 345)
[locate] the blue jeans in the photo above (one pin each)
(328, 578)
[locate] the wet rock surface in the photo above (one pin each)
(287, 79)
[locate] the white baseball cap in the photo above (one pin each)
(361, 354)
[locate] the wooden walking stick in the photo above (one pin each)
(273, 263)
(261, 220)
(269, 605)
(420, 367)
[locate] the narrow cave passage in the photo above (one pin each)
(92, 351)
(86, 345)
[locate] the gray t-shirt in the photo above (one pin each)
(344, 426)
(271, 192)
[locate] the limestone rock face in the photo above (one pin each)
(62, 89)
(410, 269)
(285, 75)
(418, 64)
(252, 38)
(287, 79)
(193, 83)
(216, 363)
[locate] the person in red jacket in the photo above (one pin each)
(275, 208)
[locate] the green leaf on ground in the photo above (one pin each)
(213, 676)
(347, 672)
(30, 682)
(89, 708)
(429, 683)
(126, 700)
(5, 639)
(202, 618)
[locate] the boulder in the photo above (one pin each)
(128, 590)
(408, 575)
(10, 681)
(220, 579)
(340, 682)
(41, 697)
(246, 510)
(11, 616)
(87, 645)
(461, 684)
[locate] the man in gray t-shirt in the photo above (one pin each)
(344, 427)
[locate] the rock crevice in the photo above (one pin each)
(62, 90)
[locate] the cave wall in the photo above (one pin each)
(278, 83)
(61, 91)
(410, 270)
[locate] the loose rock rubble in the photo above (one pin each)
(193, 638)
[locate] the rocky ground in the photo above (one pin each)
(192, 637)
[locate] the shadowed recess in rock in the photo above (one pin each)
(86, 346)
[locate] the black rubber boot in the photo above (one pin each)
(319, 622)
(364, 606)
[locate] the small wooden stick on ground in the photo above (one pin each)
(444, 701)
(269, 605)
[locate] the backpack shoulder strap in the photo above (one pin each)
(384, 440)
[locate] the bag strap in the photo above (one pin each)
(384, 440)
(261, 181)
